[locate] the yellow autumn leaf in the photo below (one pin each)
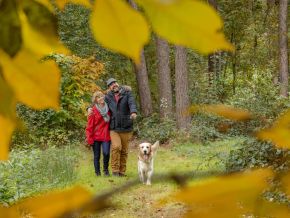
(187, 22)
(279, 133)
(119, 27)
(286, 183)
(37, 42)
(7, 117)
(273, 209)
(55, 204)
(9, 212)
(7, 100)
(7, 127)
(284, 119)
(278, 136)
(46, 3)
(34, 83)
(214, 197)
(61, 3)
(222, 110)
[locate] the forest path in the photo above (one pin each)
(141, 200)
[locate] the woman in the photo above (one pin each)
(97, 132)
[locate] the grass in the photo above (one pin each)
(35, 171)
(29, 172)
(141, 200)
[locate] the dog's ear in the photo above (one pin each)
(155, 146)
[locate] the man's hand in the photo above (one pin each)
(90, 111)
(133, 116)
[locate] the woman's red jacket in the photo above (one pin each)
(97, 129)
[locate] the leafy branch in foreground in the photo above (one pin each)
(115, 25)
(241, 190)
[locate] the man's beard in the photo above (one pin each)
(116, 90)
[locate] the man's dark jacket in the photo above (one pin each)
(121, 111)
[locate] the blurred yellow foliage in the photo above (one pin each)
(272, 209)
(189, 23)
(9, 212)
(7, 127)
(61, 3)
(56, 203)
(279, 133)
(225, 111)
(119, 27)
(232, 195)
(37, 42)
(286, 183)
(33, 82)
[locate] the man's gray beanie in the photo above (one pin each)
(111, 80)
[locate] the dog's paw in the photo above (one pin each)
(148, 183)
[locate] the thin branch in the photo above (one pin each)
(100, 201)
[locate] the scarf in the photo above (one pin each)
(104, 112)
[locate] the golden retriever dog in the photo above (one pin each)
(146, 155)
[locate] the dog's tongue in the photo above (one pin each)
(146, 157)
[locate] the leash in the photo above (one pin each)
(138, 130)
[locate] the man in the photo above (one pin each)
(123, 111)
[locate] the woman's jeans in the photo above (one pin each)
(97, 154)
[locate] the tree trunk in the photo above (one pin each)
(212, 57)
(181, 88)
(143, 87)
(142, 81)
(234, 69)
(283, 54)
(211, 68)
(164, 80)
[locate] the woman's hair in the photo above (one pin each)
(97, 94)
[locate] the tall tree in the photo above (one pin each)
(181, 87)
(283, 40)
(143, 87)
(164, 80)
(142, 80)
(212, 57)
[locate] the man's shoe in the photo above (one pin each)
(106, 173)
(98, 173)
(115, 174)
(122, 175)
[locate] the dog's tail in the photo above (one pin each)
(155, 146)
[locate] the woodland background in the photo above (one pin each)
(168, 81)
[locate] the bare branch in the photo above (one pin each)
(100, 201)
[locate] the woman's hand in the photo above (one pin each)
(90, 111)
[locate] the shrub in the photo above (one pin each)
(152, 128)
(204, 128)
(32, 171)
(49, 127)
(253, 153)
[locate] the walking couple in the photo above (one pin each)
(110, 124)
